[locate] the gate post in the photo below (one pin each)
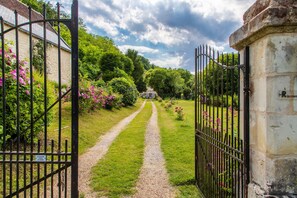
(270, 31)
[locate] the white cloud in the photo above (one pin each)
(220, 9)
(164, 35)
(210, 21)
(167, 60)
(140, 49)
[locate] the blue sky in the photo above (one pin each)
(164, 31)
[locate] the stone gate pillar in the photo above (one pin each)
(270, 29)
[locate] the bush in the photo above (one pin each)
(99, 83)
(187, 92)
(92, 98)
(125, 87)
(223, 101)
(180, 115)
(24, 99)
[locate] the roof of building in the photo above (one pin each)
(7, 8)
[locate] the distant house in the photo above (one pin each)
(7, 8)
(149, 94)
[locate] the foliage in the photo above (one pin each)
(125, 87)
(166, 82)
(38, 6)
(138, 71)
(219, 81)
(38, 56)
(92, 98)
(91, 49)
(168, 106)
(115, 65)
(23, 99)
(188, 94)
(180, 115)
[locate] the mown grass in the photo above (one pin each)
(91, 125)
(117, 173)
(178, 146)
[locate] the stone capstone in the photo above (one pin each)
(264, 17)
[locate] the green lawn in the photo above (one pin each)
(178, 145)
(91, 125)
(117, 173)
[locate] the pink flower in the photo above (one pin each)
(21, 80)
(1, 82)
(27, 92)
(218, 121)
(13, 73)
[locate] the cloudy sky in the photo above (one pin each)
(164, 31)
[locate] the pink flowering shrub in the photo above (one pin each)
(92, 98)
(20, 74)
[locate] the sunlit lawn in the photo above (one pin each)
(91, 125)
(177, 139)
(117, 173)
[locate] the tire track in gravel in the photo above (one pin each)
(94, 154)
(153, 180)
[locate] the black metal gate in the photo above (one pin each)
(33, 161)
(221, 143)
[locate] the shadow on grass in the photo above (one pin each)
(187, 183)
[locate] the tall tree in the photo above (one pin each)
(138, 71)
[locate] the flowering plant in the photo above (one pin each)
(180, 115)
(92, 98)
(16, 86)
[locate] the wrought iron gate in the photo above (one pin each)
(33, 162)
(221, 143)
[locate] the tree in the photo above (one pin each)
(166, 82)
(218, 81)
(125, 87)
(138, 71)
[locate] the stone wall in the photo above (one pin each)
(52, 56)
(270, 32)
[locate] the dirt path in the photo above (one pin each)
(94, 154)
(153, 181)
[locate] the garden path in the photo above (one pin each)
(153, 180)
(94, 154)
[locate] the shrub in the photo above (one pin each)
(168, 106)
(24, 99)
(223, 101)
(180, 115)
(92, 98)
(187, 92)
(99, 83)
(125, 87)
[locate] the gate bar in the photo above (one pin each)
(74, 156)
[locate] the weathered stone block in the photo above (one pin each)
(281, 134)
(274, 85)
(258, 94)
(281, 53)
(258, 131)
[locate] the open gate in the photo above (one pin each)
(221, 123)
(35, 162)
